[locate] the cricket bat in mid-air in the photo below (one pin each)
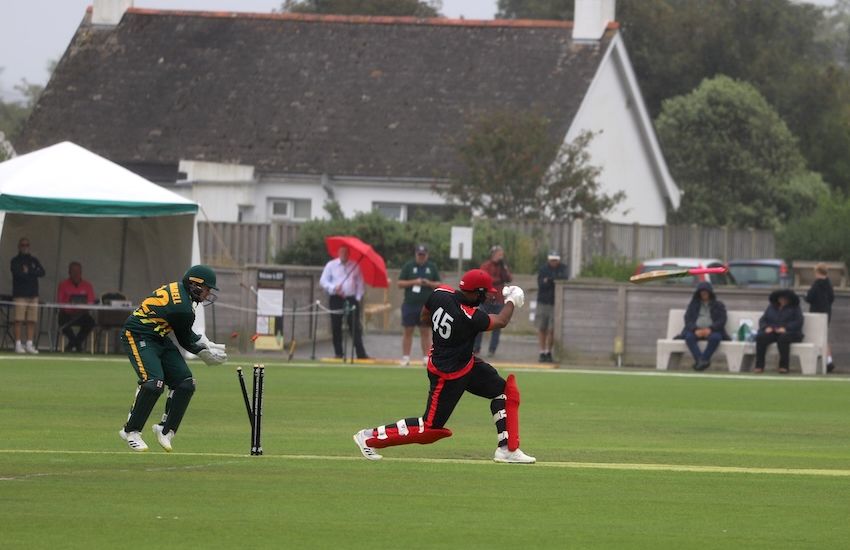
(661, 274)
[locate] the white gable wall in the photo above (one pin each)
(623, 151)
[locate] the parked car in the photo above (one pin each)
(761, 273)
(673, 263)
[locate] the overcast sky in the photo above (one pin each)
(33, 32)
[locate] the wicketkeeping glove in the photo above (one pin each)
(213, 356)
(515, 295)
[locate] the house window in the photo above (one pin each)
(289, 209)
(407, 212)
(390, 210)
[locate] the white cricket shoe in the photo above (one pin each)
(31, 349)
(134, 440)
(164, 439)
(515, 457)
(365, 450)
(405, 360)
(19, 347)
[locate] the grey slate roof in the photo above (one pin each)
(381, 97)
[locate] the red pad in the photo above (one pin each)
(512, 412)
(393, 438)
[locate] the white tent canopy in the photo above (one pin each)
(129, 234)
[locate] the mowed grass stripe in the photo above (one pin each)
(527, 368)
(472, 461)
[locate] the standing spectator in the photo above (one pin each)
(26, 269)
(782, 323)
(496, 267)
(705, 319)
(553, 270)
(343, 282)
(75, 290)
(820, 297)
(418, 278)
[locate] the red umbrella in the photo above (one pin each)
(371, 263)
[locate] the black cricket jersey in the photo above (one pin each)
(453, 326)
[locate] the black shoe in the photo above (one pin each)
(364, 357)
(830, 367)
(541, 358)
(549, 357)
(702, 364)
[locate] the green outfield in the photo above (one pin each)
(624, 461)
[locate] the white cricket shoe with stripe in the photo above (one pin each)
(512, 457)
(164, 439)
(368, 452)
(134, 440)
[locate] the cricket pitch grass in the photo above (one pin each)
(624, 461)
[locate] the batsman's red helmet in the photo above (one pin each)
(477, 279)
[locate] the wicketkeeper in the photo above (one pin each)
(453, 369)
(158, 361)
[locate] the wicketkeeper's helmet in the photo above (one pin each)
(197, 277)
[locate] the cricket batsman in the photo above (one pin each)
(158, 362)
(453, 369)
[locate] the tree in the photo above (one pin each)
(794, 53)
(773, 44)
(13, 114)
(734, 158)
(535, 9)
(824, 234)
(414, 8)
(514, 167)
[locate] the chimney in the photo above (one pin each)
(591, 18)
(109, 12)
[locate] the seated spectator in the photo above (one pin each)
(782, 323)
(75, 290)
(705, 319)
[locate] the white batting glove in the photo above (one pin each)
(515, 295)
(212, 356)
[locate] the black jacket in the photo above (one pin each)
(820, 297)
(716, 308)
(790, 317)
(26, 269)
(546, 278)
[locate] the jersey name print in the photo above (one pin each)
(156, 313)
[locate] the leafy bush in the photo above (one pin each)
(609, 267)
(395, 241)
(823, 235)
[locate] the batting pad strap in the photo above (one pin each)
(503, 436)
(402, 427)
(421, 425)
(500, 415)
(395, 438)
(382, 433)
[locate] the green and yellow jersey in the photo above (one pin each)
(169, 308)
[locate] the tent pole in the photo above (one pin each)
(52, 321)
(123, 252)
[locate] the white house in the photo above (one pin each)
(263, 117)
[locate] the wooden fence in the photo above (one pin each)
(237, 244)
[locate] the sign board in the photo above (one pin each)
(461, 240)
(270, 291)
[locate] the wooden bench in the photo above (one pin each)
(741, 355)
